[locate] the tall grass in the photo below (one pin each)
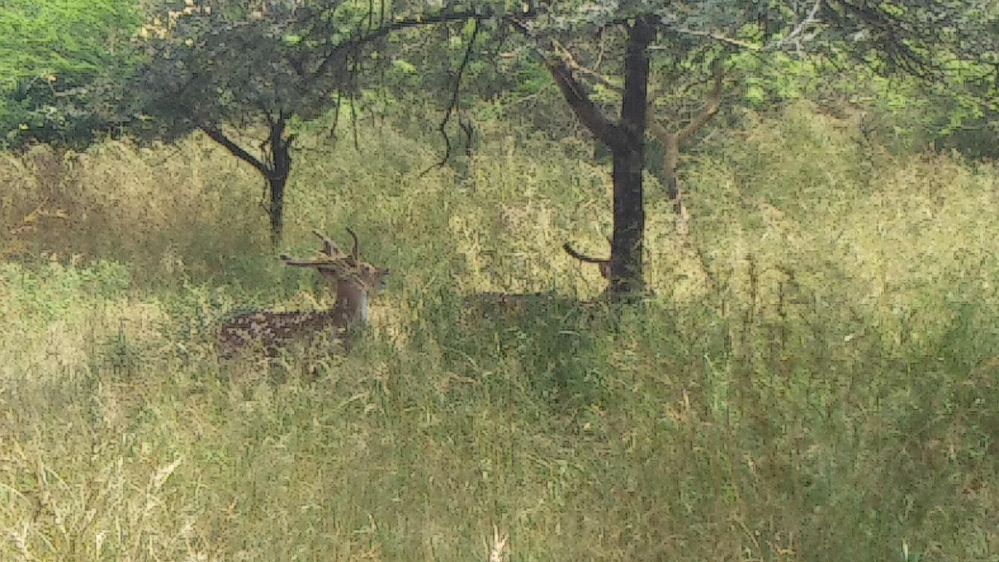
(816, 379)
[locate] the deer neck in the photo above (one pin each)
(351, 303)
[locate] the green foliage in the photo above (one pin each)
(955, 113)
(214, 63)
(60, 63)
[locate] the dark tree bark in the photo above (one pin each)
(276, 210)
(277, 178)
(626, 141)
(275, 169)
(627, 264)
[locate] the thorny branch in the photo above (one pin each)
(452, 107)
(809, 21)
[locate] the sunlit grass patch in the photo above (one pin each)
(815, 377)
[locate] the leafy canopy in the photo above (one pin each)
(57, 59)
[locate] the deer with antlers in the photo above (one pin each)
(355, 281)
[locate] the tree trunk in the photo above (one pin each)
(672, 149)
(276, 210)
(627, 264)
(277, 177)
(275, 169)
(629, 225)
(626, 141)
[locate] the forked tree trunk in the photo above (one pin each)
(626, 141)
(275, 168)
(672, 141)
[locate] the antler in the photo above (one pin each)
(290, 261)
(329, 247)
(603, 264)
(331, 253)
(356, 250)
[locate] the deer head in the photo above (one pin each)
(355, 280)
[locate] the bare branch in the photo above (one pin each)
(808, 21)
(218, 136)
(795, 37)
(453, 103)
(575, 93)
(672, 141)
(574, 65)
(398, 24)
(713, 35)
(710, 108)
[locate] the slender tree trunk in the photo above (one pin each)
(276, 210)
(672, 148)
(627, 264)
(275, 169)
(277, 176)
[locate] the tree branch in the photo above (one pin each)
(574, 65)
(398, 24)
(713, 35)
(453, 103)
(809, 20)
(575, 94)
(672, 141)
(218, 136)
(794, 37)
(709, 110)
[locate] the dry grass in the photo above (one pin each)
(831, 397)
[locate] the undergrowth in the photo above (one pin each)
(816, 377)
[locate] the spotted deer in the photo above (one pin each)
(355, 281)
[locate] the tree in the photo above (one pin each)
(224, 64)
(890, 36)
(212, 66)
(913, 37)
(218, 66)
